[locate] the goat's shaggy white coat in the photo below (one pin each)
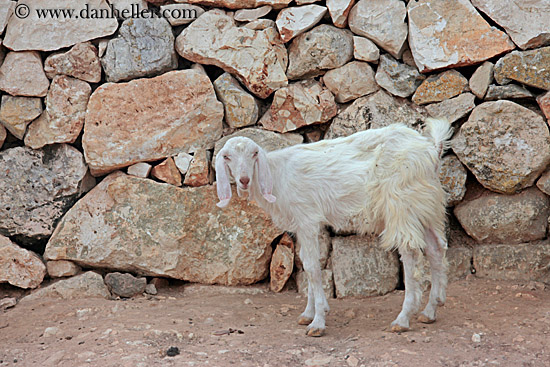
(385, 181)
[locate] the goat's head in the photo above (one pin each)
(245, 161)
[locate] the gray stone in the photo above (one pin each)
(397, 78)
(365, 50)
(125, 285)
(453, 109)
(510, 91)
(361, 268)
(140, 169)
(143, 47)
(339, 11)
(241, 108)
(327, 280)
(249, 15)
(6, 10)
(296, 20)
(452, 175)
(20, 267)
(531, 68)
(351, 81)
(17, 112)
(481, 79)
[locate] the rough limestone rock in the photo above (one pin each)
(62, 268)
(125, 285)
(179, 14)
(21, 74)
(528, 67)
(524, 262)
(37, 187)
(450, 33)
(382, 21)
(249, 15)
(526, 22)
(325, 246)
(399, 79)
(63, 119)
(339, 11)
(298, 19)
(198, 173)
(167, 171)
(143, 47)
(182, 161)
(20, 267)
(361, 268)
(440, 87)
(499, 218)
(140, 226)
(300, 104)
(241, 4)
(150, 119)
(6, 10)
(460, 262)
(241, 108)
(81, 62)
(510, 91)
(282, 263)
(140, 169)
(503, 155)
(544, 103)
(258, 59)
(365, 50)
(324, 47)
(49, 34)
(452, 175)
(86, 285)
(262, 24)
(327, 281)
(17, 112)
(373, 111)
(544, 183)
(351, 81)
(453, 109)
(481, 79)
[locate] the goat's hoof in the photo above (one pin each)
(315, 332)
(303, 320)
(425, 319)
(396, 328)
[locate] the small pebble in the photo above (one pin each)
(248, 301)
(172, 351)
(151, 289)
(476, 338)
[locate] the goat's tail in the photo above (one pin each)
(440, 131)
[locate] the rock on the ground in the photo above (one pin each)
(453, 109)
(37, 187)
(440, 87)
(182, 161)
(324, 47)
(249, 15)
(505, 156)
(351, 81)
(241, 108)
(325, 245)
(86, 285)
(365, 50)
(125, 285)
(63, 119)
(258, 59)
(382, 21)
(20, 267)
(397, 78)
(140, 226)
(523, 262)
(481, 79)
(544, 103)
(452, 175)
(199, 173)
(500, 218)
(327, 281)
(143, 47)
(451, 33)
(510, 91)
(362, 268)
(150, 119)
(526, 22)
(373, 111)
(179, 14)
(167, 171)
(282, 263)
(17, 112)
(62, 268)
(300, 104)
(140, 169)
(528, 67)
(296, 20)
(339, 11)
(21, 74)
(81, 62)
(241, 4)
(49, 34)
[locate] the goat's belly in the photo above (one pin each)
(361, 223)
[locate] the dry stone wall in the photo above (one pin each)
(135, 109)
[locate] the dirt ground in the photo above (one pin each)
(217, 326)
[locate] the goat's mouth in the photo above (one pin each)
(243, 187)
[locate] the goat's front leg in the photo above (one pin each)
(317, 304)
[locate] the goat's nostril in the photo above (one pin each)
(244, 180)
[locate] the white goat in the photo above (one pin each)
(383, 180)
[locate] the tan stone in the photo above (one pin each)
(63, 119)
(146, 120)
(249, 15)
(239, 4)
(260, 24)
(452, 175)
(48, 33)
(351, 81)
(81, 62)
(481, 79)
(3, 135)
(62, 268)
(339, 11)
(398, 78)
(21, 74)
(198, 173)
(440, 87)
(452, 109)
(282, 263)
(543, 182)
(296, 20)
(300, 104)
(20, 267)
(140, 169)
(450, 33)
(528, 67)
(166, 231)
(241, 108)
(544, 103)
(17, 112)
(6, 10)
(168, 172)
(365, 50)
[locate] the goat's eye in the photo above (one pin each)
(255, 154)
(226, 157)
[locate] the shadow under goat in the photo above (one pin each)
(385, 181)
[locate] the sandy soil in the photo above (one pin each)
(211, 326)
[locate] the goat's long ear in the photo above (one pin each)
(222, 181)
(264, 177)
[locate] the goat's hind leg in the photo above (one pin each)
(435, 250)
(413, 292)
